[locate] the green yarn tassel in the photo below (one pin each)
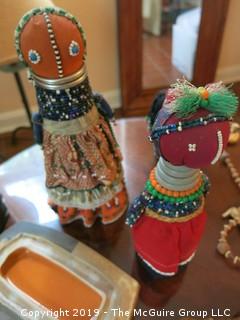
(187, 104)
(223, 102)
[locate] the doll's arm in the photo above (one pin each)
(136, 210)
(103, 107)
(37, 128)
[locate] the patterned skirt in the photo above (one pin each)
(84, 175)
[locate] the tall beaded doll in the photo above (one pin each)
(84, 177)
(189, 128)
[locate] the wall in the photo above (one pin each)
(99, 20)
(229, 62)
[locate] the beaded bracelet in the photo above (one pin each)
(223, 246)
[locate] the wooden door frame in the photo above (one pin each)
(135, 99)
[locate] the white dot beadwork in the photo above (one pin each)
(192, 147)
(220, 147)
(179, 126)
(34, 56)
(54, 45)
(74, 48)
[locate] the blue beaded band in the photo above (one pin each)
(162, 207)
(178, 127)
(172, 209)
(65, 104)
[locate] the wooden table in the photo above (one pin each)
(208, 282)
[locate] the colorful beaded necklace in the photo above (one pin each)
(169, 206)
(233, 213)
(160, 192)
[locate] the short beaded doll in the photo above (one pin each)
(189, 128)
(84, 177)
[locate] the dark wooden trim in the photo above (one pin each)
(130, 47)
(214, 14)
(135, 99)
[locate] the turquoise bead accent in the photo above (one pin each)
(74, 48)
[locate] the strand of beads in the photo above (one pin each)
(171, 128)
(168, 192)
(234, 173)
(171, 196)
(223, 246)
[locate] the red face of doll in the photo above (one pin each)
(52, 46)
(195, 147)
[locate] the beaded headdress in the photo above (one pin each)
(52, 43)
(183, 99)
(40, 11)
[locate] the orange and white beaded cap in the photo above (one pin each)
(51, 42)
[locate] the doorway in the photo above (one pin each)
(170, 34)
(136, 96)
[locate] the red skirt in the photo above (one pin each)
(164, 246)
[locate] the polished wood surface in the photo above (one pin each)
(208, 282)
(9, 148)
(135, 98)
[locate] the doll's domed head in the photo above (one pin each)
(192, 126)
(51, 42)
